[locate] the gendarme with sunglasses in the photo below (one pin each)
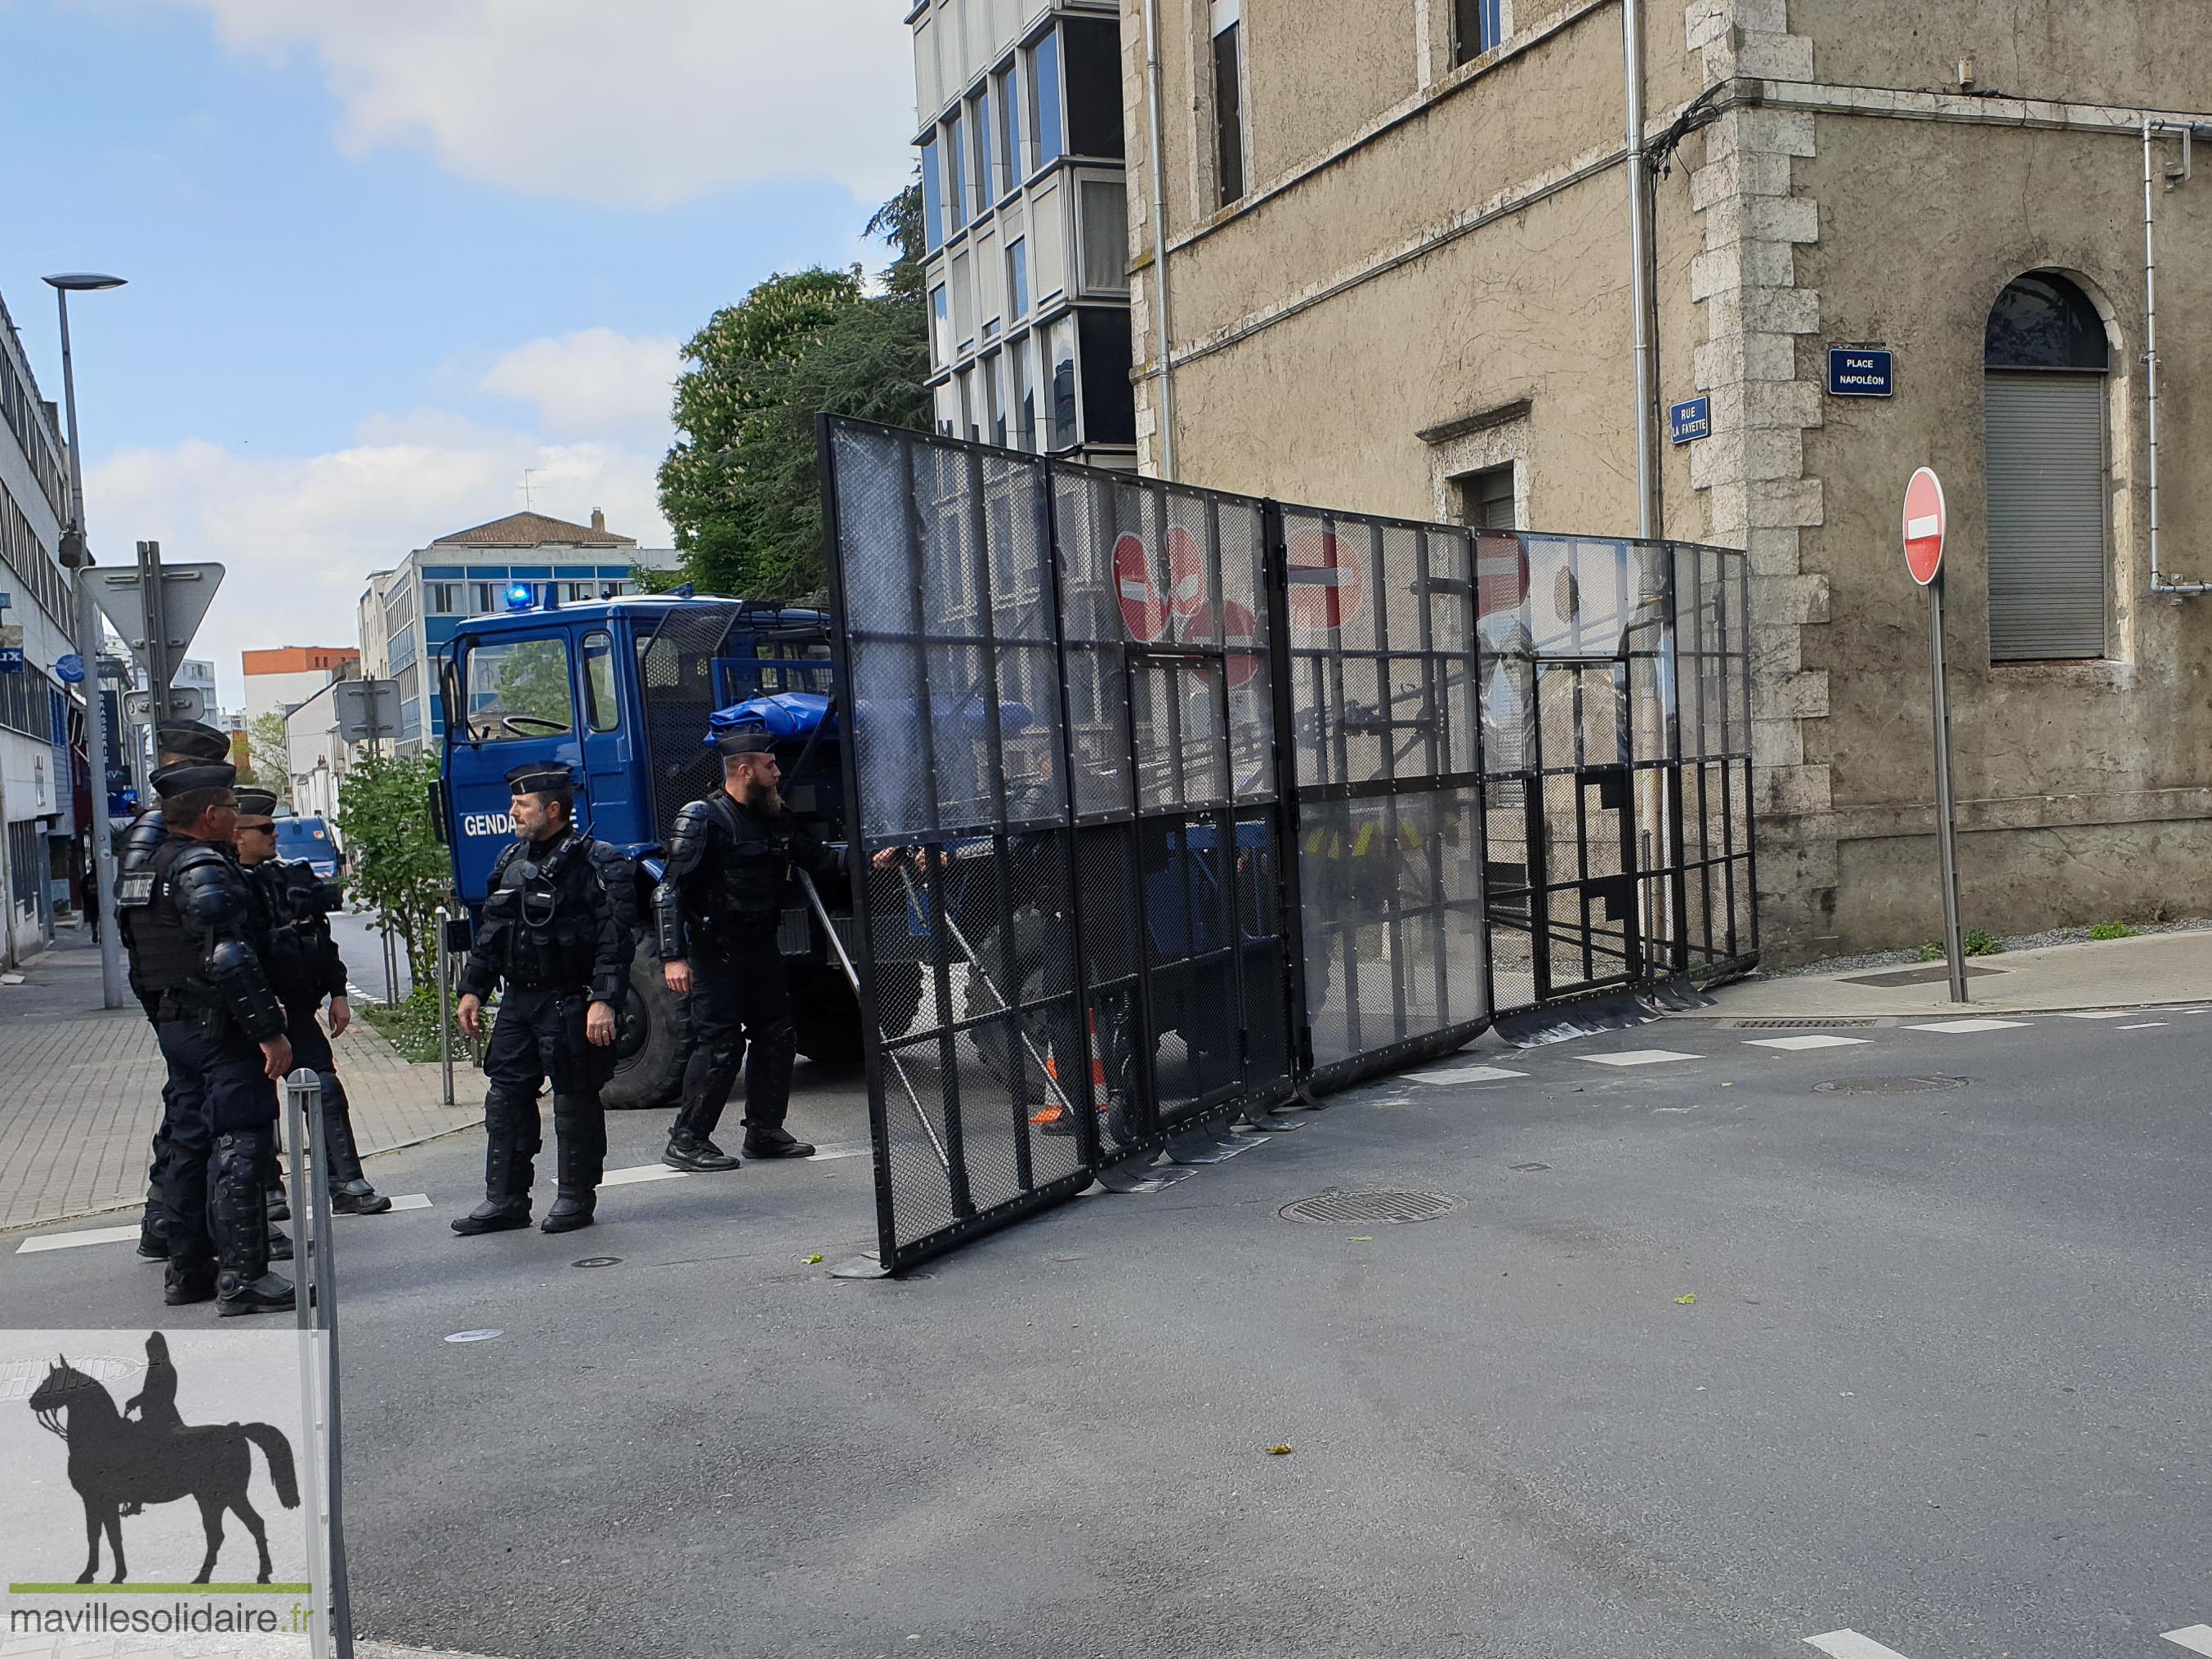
(557, 932)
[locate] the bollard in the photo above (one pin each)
(445, 1005)
(316, 1313)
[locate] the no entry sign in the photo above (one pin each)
(1501, 575)
(1143, 613)
(1923, 526)
(1240, 638)
(1324, 580)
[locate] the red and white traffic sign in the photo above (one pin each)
(1186, 572)
(1501, 574)
(1240, 638)
(1143, 613)
(1923, 526)
(1324, 581)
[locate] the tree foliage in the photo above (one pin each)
(739, 486)
(269, 752)
(395, 860)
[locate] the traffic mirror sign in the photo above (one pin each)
(1143, 613)
(1923, 526)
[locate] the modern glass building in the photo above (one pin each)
(1027, 223)
(410, 613)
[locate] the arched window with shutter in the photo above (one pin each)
(2046, 361)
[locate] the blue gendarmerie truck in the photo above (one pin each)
(624, 690)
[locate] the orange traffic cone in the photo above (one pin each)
(1052, 1113)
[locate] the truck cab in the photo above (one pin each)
(621, 691)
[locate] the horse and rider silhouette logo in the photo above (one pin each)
(119, 1463)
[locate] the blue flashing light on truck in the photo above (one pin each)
(623, 691)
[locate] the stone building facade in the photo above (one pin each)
(1396, 276)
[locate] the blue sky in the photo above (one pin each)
(385, 253)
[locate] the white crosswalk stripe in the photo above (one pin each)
(1961, 1026)
(2198, 1638)
(1636, 1057)
(642, 1172)
(2099, 1013)
(1849, 1644)
(1446, 1075)
(71, 1240)
(411, 1201)
(1794, 1044)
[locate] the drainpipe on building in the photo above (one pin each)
(1165, 413)
(1649, 516)
(2158, 584)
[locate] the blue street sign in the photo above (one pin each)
(11, 660)
(70, 668)
(1855, 372)
(1685, 422)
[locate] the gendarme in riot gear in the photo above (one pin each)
(305, 967)
(557, 932)
(196, 958)
(717, 913)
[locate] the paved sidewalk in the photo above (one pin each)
(80, 1086)
(2121, 973)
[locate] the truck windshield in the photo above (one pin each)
(517, 688)
(304, 838)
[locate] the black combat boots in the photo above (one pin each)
(510, 1145)
(580, 1134)
(238, 1216)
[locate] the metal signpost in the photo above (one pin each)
(1924, 558)
(316, 1311)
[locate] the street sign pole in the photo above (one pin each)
(1925, 523)
(1947, 856)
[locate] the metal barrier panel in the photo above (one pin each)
(1387, 672)
(1189, 798)
(675, 680)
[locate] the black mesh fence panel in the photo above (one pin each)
(676, 680)
(1186, 800)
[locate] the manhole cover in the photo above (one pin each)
(1363, 1209)
(598, 1262)
(1890, 1085)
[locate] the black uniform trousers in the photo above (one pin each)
(740, 1014)
(539, 1036)
(311, 1048)
(217, 1087)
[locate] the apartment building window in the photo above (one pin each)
(940, 326)
(1047, 144)
(1478, 26)
(955, 195)
(1062, 358)
(1021, 395)
(1017, 279)
(1484, 499)
(933, 197)
(963, 301)
(1102, 225)
(485, 598)
(444, 600)
(2046, 359)
(1092, 61)
(995, 393)
(1229, 99)
(1110, 402)
(1010, 133)
(981, 124)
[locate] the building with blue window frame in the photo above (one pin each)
(410, 613)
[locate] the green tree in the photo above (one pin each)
(739, 486)
(269, 754)
(395, 860)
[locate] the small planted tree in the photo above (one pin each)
(395, 860)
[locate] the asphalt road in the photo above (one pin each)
(1703, 1362)
(363, 948)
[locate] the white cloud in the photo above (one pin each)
(595, 382)
(618, 102)
(299, 535)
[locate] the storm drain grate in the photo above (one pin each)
(1890, 1085)
(1793, 1024)
(1365, 1209)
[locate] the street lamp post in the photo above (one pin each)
(76, 555)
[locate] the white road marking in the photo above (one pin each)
(1446, 1075)
(2198, 1638)
(1964, 1025)
(1806, 1041)
(70, 1240)
(411, 1201)
(642, 1172)
(2147, 1026)
(1636, 1057)
(846, 1149)
(2100, 1013)
(1849, 1644)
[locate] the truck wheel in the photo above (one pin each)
(653, 1042)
